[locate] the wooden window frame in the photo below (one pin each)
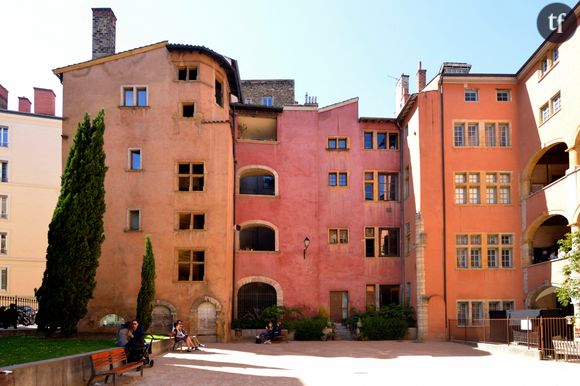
(339, 239)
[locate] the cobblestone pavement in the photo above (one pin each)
(352, 363)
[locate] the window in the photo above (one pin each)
(544, 66)
(337, 179)
(4, 171)
(506, 250)
(468, 250)
(383, 240)
(190, 265)
(134, 220)
(473, 134)
(219, 93)
(258, 182)
(471, 95)
(497, 188)
(3, 206)
(545, 112)
(337, 143)
(406, 182)
(267, 101)
(555, 55)
(459, 134)
(337, 236)
(190, 220)
(3, 137)
(490, 135)
(549, 61)
(407, 243)
(3, 279)
(503, 95)
(368, 140)
(3, 243)
(188, 110)
(504, 135)
(190, 176)
(476, 312)
(497, 248)
(134, 159)
(462, 313)
(257, 238)
(187, 73)
(381, 140)
(134, 96)
(556, 103)
(381, 186)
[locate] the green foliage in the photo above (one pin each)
(75, 233)
(259, 319)
(398, 311)
(381, 328)
(570, 289)
(308, 329)
(23, 349)
(147, 291)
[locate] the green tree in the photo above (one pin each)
(147, 291)
(570, 289)
(75, 233)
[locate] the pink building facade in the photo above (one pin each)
(317, 209)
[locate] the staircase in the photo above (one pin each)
(341, 332)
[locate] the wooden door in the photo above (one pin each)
(338, 305)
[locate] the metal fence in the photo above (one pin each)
(537, 333)
(6, 301)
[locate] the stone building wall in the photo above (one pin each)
(281, 91)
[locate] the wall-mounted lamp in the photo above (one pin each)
(306, 245)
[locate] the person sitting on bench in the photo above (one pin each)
(180, 335)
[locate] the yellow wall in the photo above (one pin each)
(34, 159)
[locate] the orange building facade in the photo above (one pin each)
(491, 169)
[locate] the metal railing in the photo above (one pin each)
(537, 333)
(30, 301)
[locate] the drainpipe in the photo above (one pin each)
(444, 206)
(233, 130)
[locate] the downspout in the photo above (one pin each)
(233, 126)
(444, 197)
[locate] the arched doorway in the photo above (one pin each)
(206, 319)
(253, 298)
(161, 319)
(545, 241)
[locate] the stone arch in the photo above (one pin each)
(162, 316)
(268, 224)
(248, 169)
(220, 317)
(532, 295)
(526, 176)
(537, 223)
(259, 279)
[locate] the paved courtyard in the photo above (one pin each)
(353, 364)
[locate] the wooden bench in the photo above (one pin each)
(282, 337)
(113, 363)
(566, 348)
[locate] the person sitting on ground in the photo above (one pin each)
(181, 335)
(123, 335)
(266, 336)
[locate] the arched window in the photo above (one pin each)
(253, 298)
(257, 238)
(111, 320)
(262, 183)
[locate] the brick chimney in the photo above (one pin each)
(421, 78)
(44, 101)
(24, 104)
(3, 98)
(401, 92)
(104, 22)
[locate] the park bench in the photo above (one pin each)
(113, 362)
(282, 337)
(566, 348)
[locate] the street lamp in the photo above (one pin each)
(306, 244)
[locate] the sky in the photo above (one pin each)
(333, 49)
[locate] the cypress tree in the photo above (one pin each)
(75, 233)
(147, 291)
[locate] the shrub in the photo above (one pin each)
(308, 329)
(381, 328)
